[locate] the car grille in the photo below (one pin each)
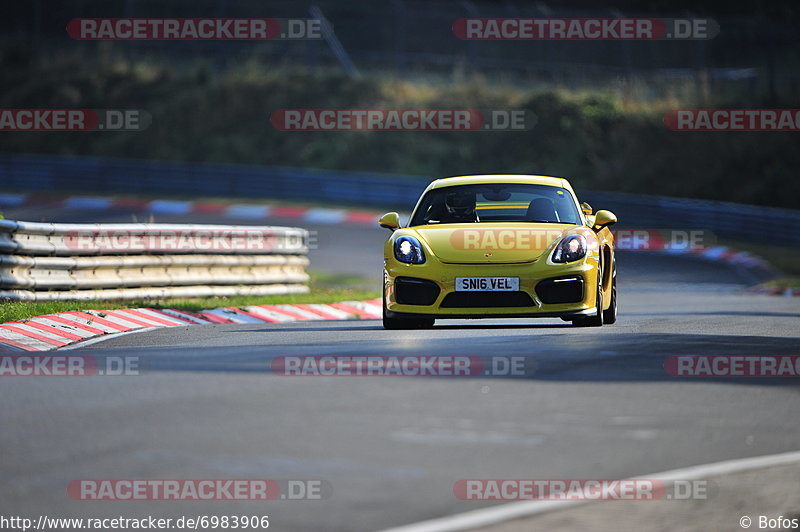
(560, 290)
(486, 299)
(410, 291)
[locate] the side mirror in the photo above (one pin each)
(390, 220)
(604, 219)
(586, 208)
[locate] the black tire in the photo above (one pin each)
(610, 315)
(397, 324)
(394, 324)
(597, 319)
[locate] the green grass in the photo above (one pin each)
(21, 310)
(325, 288)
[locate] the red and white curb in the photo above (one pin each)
(733, 257)
(775, 291)
(45, 333)
(754, 266)
(248, 211)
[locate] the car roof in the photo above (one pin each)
(500, 178)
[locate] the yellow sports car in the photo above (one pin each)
(499, 246)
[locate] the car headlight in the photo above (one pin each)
(570, 249)
(408, 249)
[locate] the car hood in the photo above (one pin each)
(473, 243)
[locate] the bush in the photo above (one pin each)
(201, 116)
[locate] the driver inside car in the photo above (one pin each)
(460, 207)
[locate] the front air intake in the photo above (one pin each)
(486, 300)
(410, 291)
(560, 290)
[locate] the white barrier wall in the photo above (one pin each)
(45, 262)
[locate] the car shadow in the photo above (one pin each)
(617, 356)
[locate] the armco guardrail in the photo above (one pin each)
(46, 262)
(394, 192)
(732, 220)
(99, 175)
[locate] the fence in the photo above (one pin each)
(46, 262)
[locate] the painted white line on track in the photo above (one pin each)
(516, 510)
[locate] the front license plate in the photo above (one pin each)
(487, 284)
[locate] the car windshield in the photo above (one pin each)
(502, 202)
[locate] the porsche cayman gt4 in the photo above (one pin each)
(494, 246)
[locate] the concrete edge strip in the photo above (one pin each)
(507, 512)
(66, 330)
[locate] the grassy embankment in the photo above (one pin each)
(602, 140)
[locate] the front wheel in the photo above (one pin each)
(597, 319)
(610, 315)
(393, 324)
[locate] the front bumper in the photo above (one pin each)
(433, 288)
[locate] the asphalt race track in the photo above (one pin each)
(594, 403)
